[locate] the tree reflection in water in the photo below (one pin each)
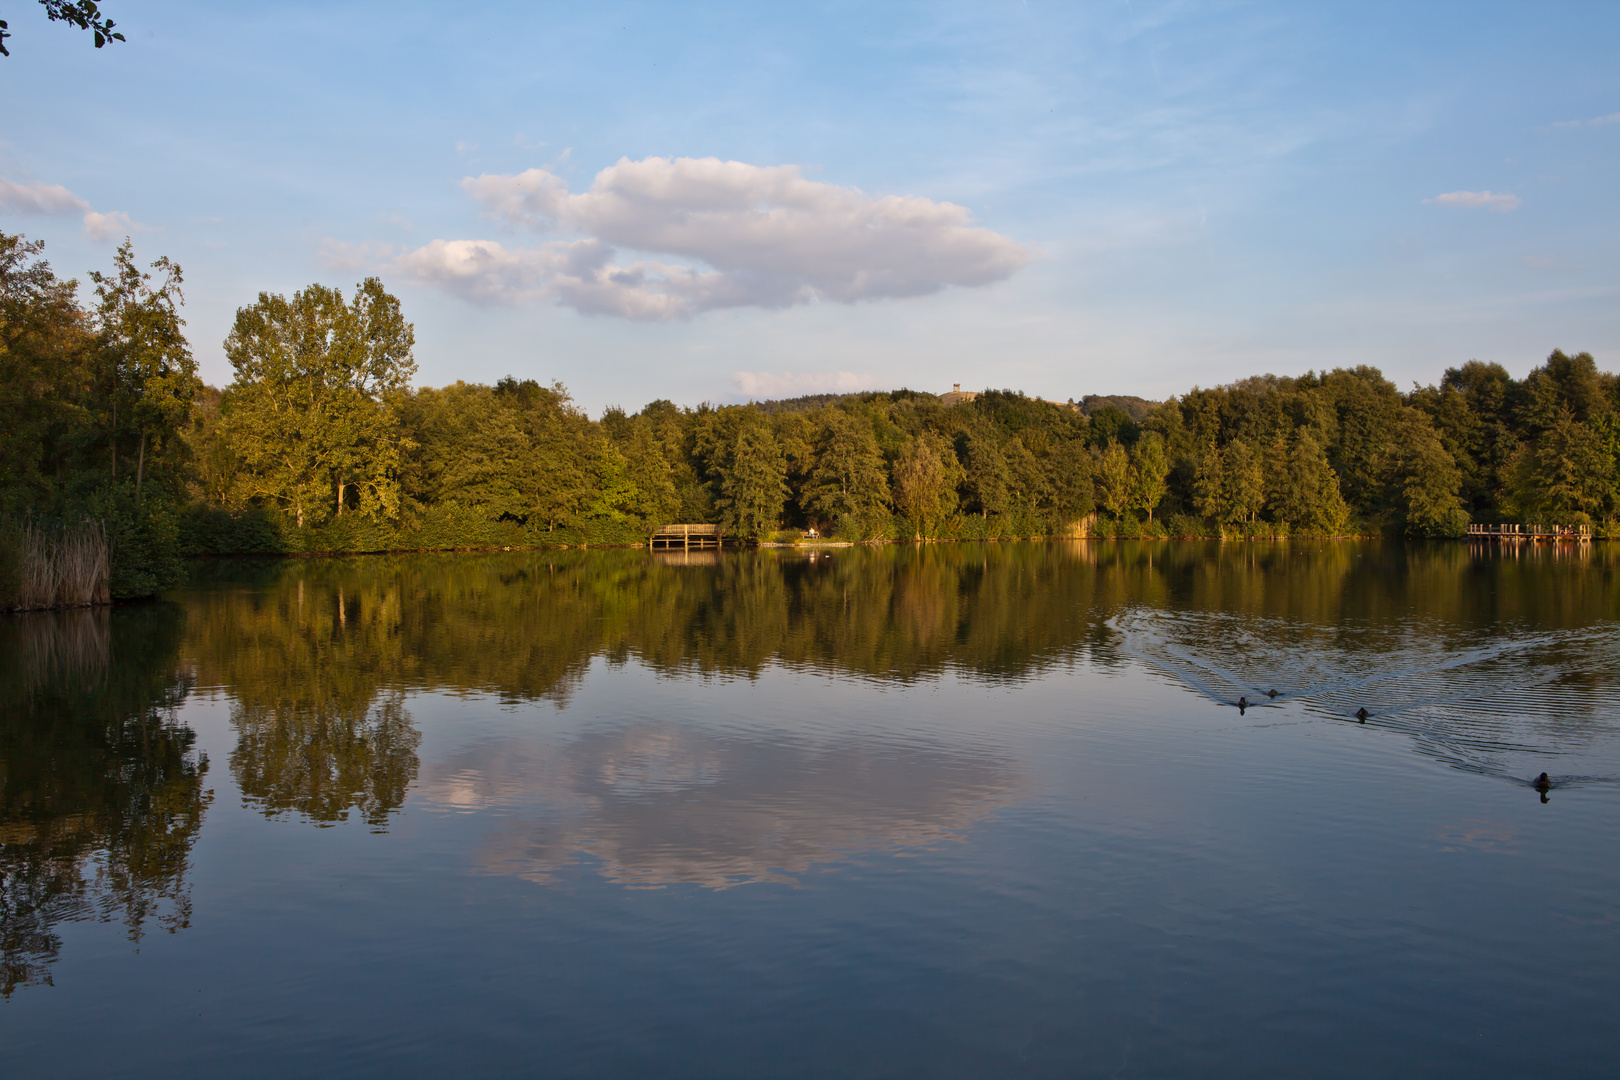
(318, 657)
(321, 758)
(313, 669)
(101, 793)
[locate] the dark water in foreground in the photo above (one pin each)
(963, 810)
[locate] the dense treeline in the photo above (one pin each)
(320, 443)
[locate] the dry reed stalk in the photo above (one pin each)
(65, 567)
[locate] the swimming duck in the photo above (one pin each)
(1362, 714)
(1543, 783)
(1243, 703)
(1272, 692)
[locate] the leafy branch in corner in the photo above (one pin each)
(81, 13)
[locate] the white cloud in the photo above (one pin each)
(766, 385)
(109, 226)
(340, 256)
(1596, 121)
(739, 236)
(54, 200)
(1495, 201)
(39, 198)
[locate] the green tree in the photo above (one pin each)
(1566, 475)
(1210, 483)
(988, 478)
(143, 358)
(313, 409)
(1070, 481)
(44, 377)
(646, 467)
(1027, 487)
(1563, 383)
(559, 469)
(1473, 413)
(1114, 479)
(847, 482)
(1427, 480)
(1245, 478)
(1149, 468)
(213, 462)
(926, 474)
(1303, 490)
(755, 483)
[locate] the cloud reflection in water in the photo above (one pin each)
(658, 803)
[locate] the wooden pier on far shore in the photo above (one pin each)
(687, 538)
(1532, 534)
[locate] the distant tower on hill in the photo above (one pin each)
(957, 396)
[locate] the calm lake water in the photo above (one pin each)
(957, 810)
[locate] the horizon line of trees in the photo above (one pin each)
(321, 436)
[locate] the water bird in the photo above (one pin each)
(1543, 784)
(1272, 692)
(1362, 714)
(1243, 703)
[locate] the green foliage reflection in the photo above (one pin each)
(101, 793)
(328, 641)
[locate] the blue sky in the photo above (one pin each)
(1059, 198)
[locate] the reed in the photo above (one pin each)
(66, 648)
(55, 566)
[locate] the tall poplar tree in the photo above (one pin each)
(1149, 468)
(1114, 479)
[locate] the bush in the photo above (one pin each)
(143, 541)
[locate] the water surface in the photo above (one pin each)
(953, 810)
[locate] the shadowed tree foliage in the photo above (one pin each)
(101, 792)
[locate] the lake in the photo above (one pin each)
(947, 810)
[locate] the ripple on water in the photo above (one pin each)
(1510, 704)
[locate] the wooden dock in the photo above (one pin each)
(1532, 534)
(687, 538)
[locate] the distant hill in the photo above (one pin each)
(817, 401)
(1134, 407)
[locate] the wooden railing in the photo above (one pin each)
(1577, 534)
(687, 538)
